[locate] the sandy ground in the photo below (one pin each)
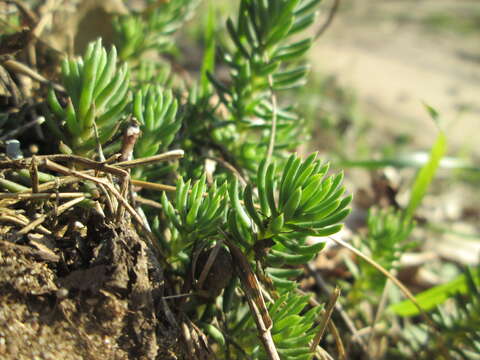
(394, 67)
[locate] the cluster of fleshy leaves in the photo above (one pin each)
(281, 215)
(261, 50)
(307, 202)
(98, 93)
(155, 109)
(264, 59)
(387, 231)
(152, 28)
(197, 212)
(283, 204)
(290, 200)
(302, 202)
(385, 241)
(292, 327)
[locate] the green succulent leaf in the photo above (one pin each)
(97, 94)
(156, 110)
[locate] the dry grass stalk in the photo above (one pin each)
(42, 218)
(326, 318)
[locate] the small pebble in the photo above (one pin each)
(62, 293)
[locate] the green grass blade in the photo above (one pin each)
(426, 174)
(208, 64)
(435, 296)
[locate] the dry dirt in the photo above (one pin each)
(98, 299)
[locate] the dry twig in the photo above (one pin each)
(39, 120)
(61, 169)
(254, 297)
(18, 67)
(166, 156)
(229, 167)
(328, 22)
(326, 318)
(351, 326)
(17, 220)
(34, 175)
(331, 326)
(42, 218)
(152, 186)
(41, 196)
(211, 259)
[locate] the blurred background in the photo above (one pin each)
(393, 55)
(374, 70)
